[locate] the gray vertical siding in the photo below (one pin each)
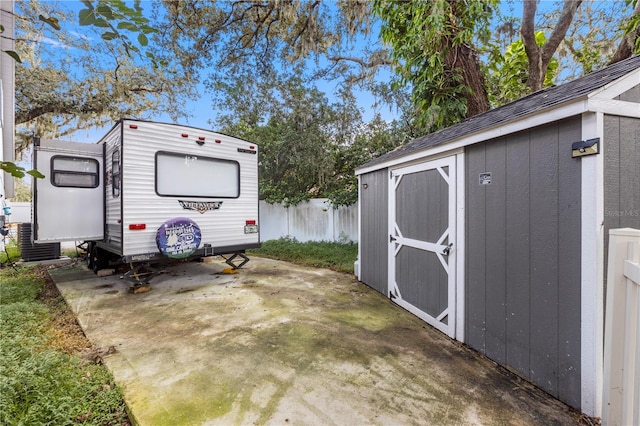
(374, 237)
(523, 255)
(475, 255)
(517, 252)
(631, 95)
(621, 172)
(621, 146)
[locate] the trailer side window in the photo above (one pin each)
(184, 175)
(115, 174)
(77, 172)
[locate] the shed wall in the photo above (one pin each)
(631, 95)
(621, 172)
(523, 255)
(621, 147)
(374, 224)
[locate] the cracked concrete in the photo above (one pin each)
(282, 344)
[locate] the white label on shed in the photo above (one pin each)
(485, 178)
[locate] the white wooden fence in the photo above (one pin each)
(315, 220)
(621, 388)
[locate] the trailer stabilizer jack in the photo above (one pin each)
(140, 275)
(230, 260)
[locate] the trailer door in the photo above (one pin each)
(68, 203)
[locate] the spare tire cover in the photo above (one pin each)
(178, 238)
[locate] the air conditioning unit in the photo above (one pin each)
(30, 251)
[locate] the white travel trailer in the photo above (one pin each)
(148, 192)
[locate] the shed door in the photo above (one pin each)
(422, 241)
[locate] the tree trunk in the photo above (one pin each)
(463, 59)
(540, 56)
(628, 42)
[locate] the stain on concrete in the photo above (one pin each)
(283, 344)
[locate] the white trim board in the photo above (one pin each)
(617, 87)
(600, 100)
(592, 272)
(499, 130)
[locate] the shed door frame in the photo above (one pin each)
(455, 178)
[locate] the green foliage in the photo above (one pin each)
(18, 171)
(426, 37)
(39, 385)
(114, 16)
(111, 68)
(336, 256)
(632, 25)
(10, 254)
(309, 148)
(508, 74)
(22, 192)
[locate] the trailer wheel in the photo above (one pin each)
(99, 259)
(89, 259)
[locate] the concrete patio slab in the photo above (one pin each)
(283, 344)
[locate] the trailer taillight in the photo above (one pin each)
(137, 226)
(185, 135)
(218, 141)
(250, 227)
(133, 126)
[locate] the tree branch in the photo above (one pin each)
(527, 29)
(539, 57)
(627, 44)
(560, 31)
(378, 61)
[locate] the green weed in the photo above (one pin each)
(11, 253)
(40, 384)
(336, 256)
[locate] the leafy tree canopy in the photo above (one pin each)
(309, 147)
(85, 72)
(262, 60)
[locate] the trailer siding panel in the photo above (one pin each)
(113, 213)
(374, 234)
(523, 251)
(220, 228)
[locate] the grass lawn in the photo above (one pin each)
(338, 257)
(49, 373)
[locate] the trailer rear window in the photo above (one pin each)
(184, 175)
(76, 172)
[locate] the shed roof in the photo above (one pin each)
(517, 110)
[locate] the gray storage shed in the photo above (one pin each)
(494, 230)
